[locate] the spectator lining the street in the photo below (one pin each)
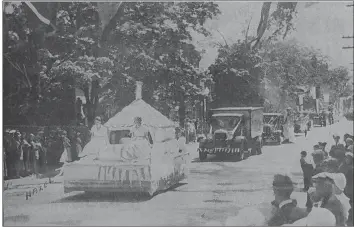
(345, 137)
(325, 196)
(339, 186)
(318, 159)
(347, 170)
(26, 153)
(337, 148)
(286, 210)
(307, 169)
(66, 153)
(36, 146)
(17, 154)
(349, 144)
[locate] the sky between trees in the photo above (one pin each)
(320, 26)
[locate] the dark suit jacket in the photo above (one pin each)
(287, 214)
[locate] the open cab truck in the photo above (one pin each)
(233, 131)
(273, 128)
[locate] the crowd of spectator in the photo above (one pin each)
(328, 178)
(31, 154)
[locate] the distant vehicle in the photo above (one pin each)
(233, 131)
(273, 128)
(316, 119)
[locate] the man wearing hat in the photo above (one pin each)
(17, 152)
(325, 184)
(338, 149)
(286, 210)
(349, 144)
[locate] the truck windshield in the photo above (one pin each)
(271, 119)
(226, 122)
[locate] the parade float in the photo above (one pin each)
(162, 164)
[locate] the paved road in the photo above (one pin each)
(215, 190)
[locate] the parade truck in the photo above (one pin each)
(234, 131)
(273, 128)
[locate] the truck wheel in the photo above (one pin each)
(202, 156)
(279, 140)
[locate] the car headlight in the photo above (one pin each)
(210, 136)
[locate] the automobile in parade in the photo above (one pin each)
(316, 119)
(272, 128)
(234, 131)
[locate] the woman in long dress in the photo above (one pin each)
(289, 133)
(99, 140)
(78, 144)
(140, 141)
(66, 155)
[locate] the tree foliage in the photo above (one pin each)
(143, 41)
(289, 67)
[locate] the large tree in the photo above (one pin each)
(139, 41)
(239, 66)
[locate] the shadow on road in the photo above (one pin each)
(126, 197)
(104, 197)
(216, 158)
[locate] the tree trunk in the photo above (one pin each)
(182, 110)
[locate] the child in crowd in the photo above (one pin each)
(307, 169)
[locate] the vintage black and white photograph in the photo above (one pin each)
(177, 113)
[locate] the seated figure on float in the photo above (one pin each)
(98, 142)
(140, 142)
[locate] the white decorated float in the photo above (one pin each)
(119, 168)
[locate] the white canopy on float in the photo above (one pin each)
(139, 108)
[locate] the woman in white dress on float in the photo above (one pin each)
(141, 141)
(99, 139)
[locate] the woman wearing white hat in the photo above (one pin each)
(325, 190)
(340, 183)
